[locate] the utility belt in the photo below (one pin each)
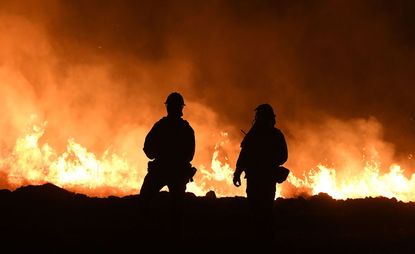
(185, 169)
(277, 174)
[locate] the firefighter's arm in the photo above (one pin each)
(282, 149)
(237, 177)
(192, 145)
(240, 165)
(150, 145)
(189, 143)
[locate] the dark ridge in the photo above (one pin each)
(45, 191)
(49, 219)
(4, 193)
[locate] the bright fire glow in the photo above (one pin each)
(79, 170)
(369, 183)
(76, 169)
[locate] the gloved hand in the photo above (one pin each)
(237, 179)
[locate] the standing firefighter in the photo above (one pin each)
(170, 146)
(263, 150)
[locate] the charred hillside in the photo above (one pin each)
(49, 218)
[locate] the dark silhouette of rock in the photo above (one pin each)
(47, 191)
(210, 194)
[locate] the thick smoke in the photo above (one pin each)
(98, 71)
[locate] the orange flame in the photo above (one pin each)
(76, 169)
(369, 183)
(79, 170)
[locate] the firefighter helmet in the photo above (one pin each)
(175, 99)
(264, 111)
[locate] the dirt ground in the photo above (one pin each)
(49, 219)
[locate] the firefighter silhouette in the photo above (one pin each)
(263, 150)
(170, 146)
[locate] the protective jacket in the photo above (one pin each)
(171, 143)
(262, 150)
